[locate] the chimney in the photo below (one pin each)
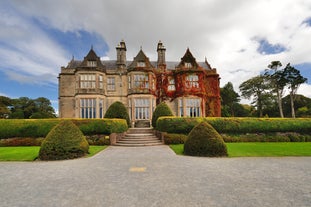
(161, 54)
(121, 53)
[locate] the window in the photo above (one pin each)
(181, 108)
(111, 84)
(141, 81)
(101, 108)
(130, 109)
(88, 108)
(129, 82)
(141, 64)
(171, 84)
(192, 81)
(188, 65)
(100, 81)
(142, 108)
(193, 107)
(91, 63)
(87, 81)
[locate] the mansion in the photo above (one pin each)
(88, 87)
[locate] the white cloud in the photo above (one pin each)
(221, 30)
(305, 89)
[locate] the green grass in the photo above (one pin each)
(31, 153)
(260, 149)
(19, 153)
(95, 149)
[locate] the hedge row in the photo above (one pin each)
(10, 128)
(271, 137)
(180, 125)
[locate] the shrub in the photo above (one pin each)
(64, 141)
(235, 125)
(175, 138)
(10, 128)
(204, 140)
(118, 110)
(98, 140)
(161, 110)
(20, 141)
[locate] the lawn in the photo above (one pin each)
(261, 149)
(31, 153)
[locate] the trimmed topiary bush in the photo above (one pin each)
(64, 141)
(161, 110)
(118, 110)
(175, 138)
(204, 140)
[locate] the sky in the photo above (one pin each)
(239, 38)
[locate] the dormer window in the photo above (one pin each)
(192, 81)
(91, 63)
(188, 65)
(171, 84)
(141, 64)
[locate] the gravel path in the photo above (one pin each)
(155, 176)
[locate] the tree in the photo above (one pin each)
(25, 108)
(5, 102)
(64, 141)
(204, 140)
(302, 106)
(256, 87)
(161, 110)
(229, 99)
(43, 109)
(118, 110)
(294, 80)
(278, 82)
(22, 108)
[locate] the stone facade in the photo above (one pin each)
(88, 87)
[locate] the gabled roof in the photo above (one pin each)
(92, 56)
(188, 58)
(140, 57)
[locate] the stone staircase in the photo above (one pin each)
(139, 137)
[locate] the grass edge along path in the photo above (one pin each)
(261, 149)
(31, 153)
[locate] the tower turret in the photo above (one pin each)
(161, 54)
(121, 53)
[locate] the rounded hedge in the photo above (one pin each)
(64, 141)
(161, 110)
(118, 110)
(204, 140)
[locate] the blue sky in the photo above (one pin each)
(239, 38)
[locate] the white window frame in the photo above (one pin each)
(192, 81)
(142, 108)
(87, 81)
(111, 83)
(193, 107)
(171, 84)
(91, 63)
(141, 81)
(141, 64)
(88, 108)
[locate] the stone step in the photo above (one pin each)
(138, 145)
(141, 142)
(140, 130)
(139, 137)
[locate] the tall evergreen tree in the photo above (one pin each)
(278, 81)
(229, 99)
(294, 80)
(255, 87)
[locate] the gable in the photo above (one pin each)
(188, 61)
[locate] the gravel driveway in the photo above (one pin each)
(155, 176)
